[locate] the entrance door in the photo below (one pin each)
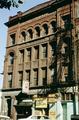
(23, 111)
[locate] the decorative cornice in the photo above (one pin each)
(38, 10)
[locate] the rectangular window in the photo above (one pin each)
(20, 78)
(12, 37)
(44, 76)
(29, 54)
(37, 52)
(21, 56)
(11, 59)
(35, 76)
(44, 50)
(10, 76)
(28, 75)
(67, 21)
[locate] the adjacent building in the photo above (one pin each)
(42, 60)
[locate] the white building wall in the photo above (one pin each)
(69, 110)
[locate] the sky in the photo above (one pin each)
(4, 16)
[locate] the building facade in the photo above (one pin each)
(41, 61)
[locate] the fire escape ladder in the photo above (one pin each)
(59, 59)
(59, 75)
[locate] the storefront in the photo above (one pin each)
(23, 105)
(53, 107)
(45, 106)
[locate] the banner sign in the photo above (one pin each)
(25, 87)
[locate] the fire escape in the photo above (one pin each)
(61, 64)
(62, 56)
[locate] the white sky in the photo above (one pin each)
(4, 15)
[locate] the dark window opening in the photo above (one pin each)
(10, 77)
(45, 28)
(9, 107)
(38, 31)
(44, 76)
(28, 54)
(20, 78)
(44, 50)
(28, 75)
(12, 39)
(54, 25)
(22, 55)
(36, 76)
(11, 58)
(67, 20)
(23, 35)
(30, 33)
(36, 52)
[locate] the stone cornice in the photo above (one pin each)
(38, 10)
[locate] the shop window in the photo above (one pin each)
(44, 76)
(44, 50)
(10, 77)
(28, 54)
(12, 38)
(35, 77)
(20, 78)
(11, 58)
(36, 52)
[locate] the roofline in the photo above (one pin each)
(34, 9)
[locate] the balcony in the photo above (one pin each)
(10, 68)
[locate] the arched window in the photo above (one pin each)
(44, 30)
(37, 31)
(54, 25)
(30, 34)
(23, 34)
(11, 58)
(12, 38)
(45, 26)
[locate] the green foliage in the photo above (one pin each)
(8, 3)
(69, 26)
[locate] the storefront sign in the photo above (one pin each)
(52, 98)
(25, 87)
(41, 103)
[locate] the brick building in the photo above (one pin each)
(40, 58)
